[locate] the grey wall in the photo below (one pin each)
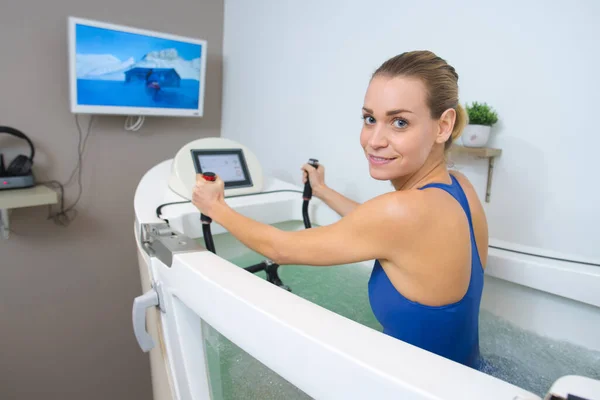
(66, 292)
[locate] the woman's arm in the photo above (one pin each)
(372, 230)
(334, 200)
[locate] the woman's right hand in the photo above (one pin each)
(316, 177)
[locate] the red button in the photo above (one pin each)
(210, 178)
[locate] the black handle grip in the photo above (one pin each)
(307, 194)
(211, 177)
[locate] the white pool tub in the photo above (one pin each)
(324, 354)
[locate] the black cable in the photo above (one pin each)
(208, 239)
(270, 191)
(307, 194)
(305, 216)
(159, 208)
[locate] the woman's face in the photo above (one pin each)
(398, 132)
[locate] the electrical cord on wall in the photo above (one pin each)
(134, 125)
(64, 216)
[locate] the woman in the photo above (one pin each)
(429, 237)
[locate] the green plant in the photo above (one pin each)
(481, 114)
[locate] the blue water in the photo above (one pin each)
(119, 93)
(510, 353)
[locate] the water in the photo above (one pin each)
(120, 93)
(528, 360)
(510, 353)
(236, 375)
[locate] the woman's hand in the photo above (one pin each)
(207, 196)
(316, 177)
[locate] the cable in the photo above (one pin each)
(270, 191)
(79, 167)
(64, 216)
(305, 216)
(61, 217)
(131, 125)
(159, 208)
(208, 239)
(81, 146)
(307, 194)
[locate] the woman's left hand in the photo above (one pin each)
(207, 195)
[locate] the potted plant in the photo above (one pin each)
(481, 119)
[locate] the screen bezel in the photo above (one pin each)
(77, 108)
(212, 152)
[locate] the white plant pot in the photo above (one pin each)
(476, 135)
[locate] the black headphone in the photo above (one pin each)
(22, 164)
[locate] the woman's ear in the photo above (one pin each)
(446, 125)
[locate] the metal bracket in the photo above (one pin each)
(488, 188)
(162, 242)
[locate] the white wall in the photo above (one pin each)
(295, 75)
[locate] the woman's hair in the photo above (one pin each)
(439, 77)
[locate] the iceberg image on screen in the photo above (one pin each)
(123, 69)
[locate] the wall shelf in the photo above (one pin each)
(18, 198)
(482, 153)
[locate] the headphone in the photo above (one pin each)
(22, 164)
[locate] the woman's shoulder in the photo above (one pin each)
(427, 211)
(421, 209)
(403, 203)
(408, 210)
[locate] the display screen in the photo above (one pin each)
(229, 165)
(121, 70)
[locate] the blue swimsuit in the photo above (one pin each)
(452, 330)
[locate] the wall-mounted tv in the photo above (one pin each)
(121, 70)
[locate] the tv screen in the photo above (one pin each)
(121, 70)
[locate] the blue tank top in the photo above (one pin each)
(451, 330)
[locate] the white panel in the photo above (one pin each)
(295, 75)
(322, 353)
